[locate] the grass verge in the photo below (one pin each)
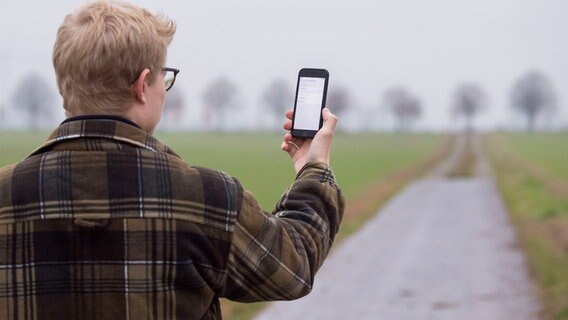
(540, 216)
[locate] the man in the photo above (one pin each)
(105, 222)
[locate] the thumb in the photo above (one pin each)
(329, 119)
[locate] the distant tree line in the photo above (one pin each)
(531, 96)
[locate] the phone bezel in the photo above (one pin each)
(312, 73)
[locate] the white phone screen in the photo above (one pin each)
(308, 105)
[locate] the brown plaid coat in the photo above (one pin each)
(105, 222)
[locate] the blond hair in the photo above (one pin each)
(100, 51)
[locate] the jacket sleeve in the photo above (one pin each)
(276, 256)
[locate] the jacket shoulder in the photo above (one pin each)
(219, 193)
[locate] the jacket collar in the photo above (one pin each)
(101, 117)
(105, 127)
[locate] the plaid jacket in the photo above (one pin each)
(105, 222)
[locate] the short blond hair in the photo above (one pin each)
(100, 51)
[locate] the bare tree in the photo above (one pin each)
(278, 96)
(34, 95)
(531, 95)
(219, 97)
(339, 100)
(469, 100)
(405, 107)
(173, 107)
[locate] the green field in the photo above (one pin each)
(14, 146)
(532, 172)
(548, 151)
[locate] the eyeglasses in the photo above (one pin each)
(170, 75)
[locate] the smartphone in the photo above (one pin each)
(311, 92)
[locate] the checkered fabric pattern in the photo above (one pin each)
(105, 222)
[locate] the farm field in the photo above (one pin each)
(547, 151)
(14, 146)
(532, 173)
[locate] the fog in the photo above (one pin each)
(427, 47)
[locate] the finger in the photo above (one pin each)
(289, 147)
(288, 125)
(329, 119)
(293, 144)
(289, 114)
(288, 137)
(284, 145)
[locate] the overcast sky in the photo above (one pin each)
(367, 45)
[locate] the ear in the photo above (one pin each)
(140, 86)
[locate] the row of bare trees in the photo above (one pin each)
(531, 95)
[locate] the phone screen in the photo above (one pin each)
(309, 103)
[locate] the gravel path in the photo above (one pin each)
(441, 249)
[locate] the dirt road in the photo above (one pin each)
(441, 249)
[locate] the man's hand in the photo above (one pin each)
(303, 151)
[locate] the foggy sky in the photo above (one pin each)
(430, 47)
